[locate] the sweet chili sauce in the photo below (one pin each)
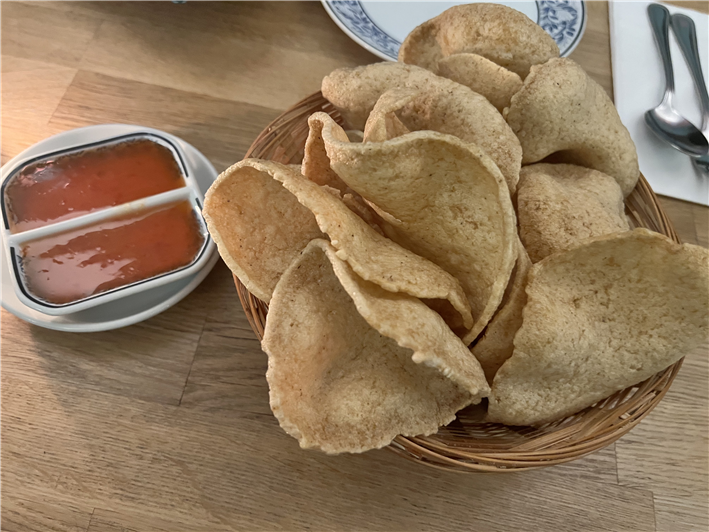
(74, 184)
(79, 263)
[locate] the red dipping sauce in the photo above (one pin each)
(70, 185)
(79, 263)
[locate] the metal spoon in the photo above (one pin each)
(664, 120)
(686, 34)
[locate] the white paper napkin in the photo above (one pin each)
(638, 85)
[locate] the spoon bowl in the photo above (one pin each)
(676, 131)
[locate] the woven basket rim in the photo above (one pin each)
(468, 444)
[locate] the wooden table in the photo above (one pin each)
(165, 425)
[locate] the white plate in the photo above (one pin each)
(131, 309)
(381, 27)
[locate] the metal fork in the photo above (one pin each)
(686, 34)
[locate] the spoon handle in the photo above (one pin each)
(660, 21)
(686, 34)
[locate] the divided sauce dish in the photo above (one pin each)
(82, 227)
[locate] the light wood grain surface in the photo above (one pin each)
(165, 425)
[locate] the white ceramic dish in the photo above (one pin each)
(381, 27)
(133, 308)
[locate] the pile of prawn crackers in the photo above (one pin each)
(462, 238)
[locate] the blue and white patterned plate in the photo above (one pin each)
(380, 27)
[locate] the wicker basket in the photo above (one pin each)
(468, 444)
